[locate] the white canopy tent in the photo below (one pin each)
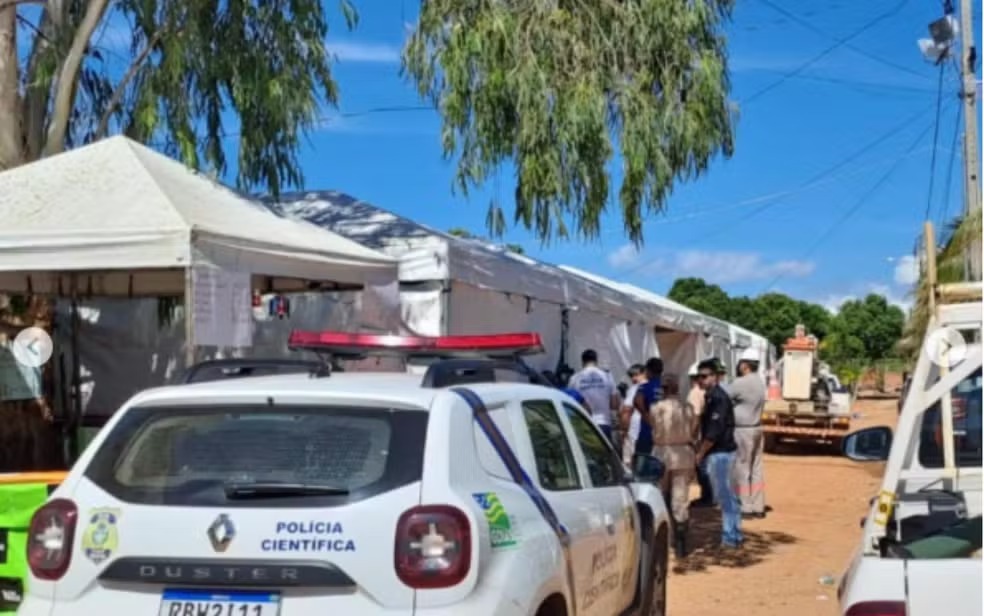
(453, 285)
(690, 337)
(134, 221)
(116, 225)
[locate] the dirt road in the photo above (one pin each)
(817, 503)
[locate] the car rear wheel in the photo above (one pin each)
(655, 604)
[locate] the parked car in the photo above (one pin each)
(464, 490)
(920, 552)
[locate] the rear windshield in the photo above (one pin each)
(192, 455)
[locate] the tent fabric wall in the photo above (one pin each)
(473, 310)
(679, 350)
(619, 343)
(124, 347)
(427, 254)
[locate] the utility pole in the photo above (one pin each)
(972, 165)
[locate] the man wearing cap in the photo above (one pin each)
(695, 399)
(748, 396)
(717, 452)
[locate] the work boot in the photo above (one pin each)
(680, 540)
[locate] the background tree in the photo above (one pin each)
(874, 322)
(772, 315)
(184, 68)
(556, 86)
(697, 294)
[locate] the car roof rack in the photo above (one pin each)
(220, 369)
(456, 372)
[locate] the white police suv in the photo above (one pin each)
(464, 490)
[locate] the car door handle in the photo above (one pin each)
(610, 524)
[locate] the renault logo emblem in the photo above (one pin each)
(221, 533)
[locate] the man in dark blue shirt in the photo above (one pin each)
(648, 394)
(717, 452)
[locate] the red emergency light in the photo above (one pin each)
(344, 343)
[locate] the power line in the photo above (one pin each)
(857, 84)
(936, 140)
(945, 203)
(769, 197)
(329, 119)
(839, 43)
(895, 130)
(806, 24)
(856, 207)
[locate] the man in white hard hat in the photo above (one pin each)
(748, 395)
(695, 399)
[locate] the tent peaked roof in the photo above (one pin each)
(118, 192)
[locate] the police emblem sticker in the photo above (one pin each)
(100, 538)
(503, 530)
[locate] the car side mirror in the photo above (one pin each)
(647, 468)
(868, 445)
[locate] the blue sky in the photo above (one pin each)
(785, 138)
(752, 223)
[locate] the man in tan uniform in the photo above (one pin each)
(674, 425)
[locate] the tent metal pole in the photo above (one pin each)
(189, 318)
(76, 419)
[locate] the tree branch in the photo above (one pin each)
(68, 75)
(9, 3)
(120, 90)
(11, 151)
(36, 94)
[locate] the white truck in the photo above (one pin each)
(920, 553)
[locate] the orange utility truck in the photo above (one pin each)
(807, 403)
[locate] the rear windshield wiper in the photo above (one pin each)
(235, 491)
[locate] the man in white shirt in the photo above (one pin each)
(598, 389)
(630, 419)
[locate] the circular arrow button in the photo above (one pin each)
(946, 346)
(32, 347)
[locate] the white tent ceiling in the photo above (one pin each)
(114, 208)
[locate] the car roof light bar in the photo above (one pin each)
(345, 344)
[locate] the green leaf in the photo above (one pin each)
(558, 87)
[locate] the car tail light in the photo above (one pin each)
(50, 539)
(433, 547)
(877, 608)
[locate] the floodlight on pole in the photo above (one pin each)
(943, 32)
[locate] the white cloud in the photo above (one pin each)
(624, 257)
(906, 271)
(834, 301)
(720, 267)
(369, 53)
(734, 266)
